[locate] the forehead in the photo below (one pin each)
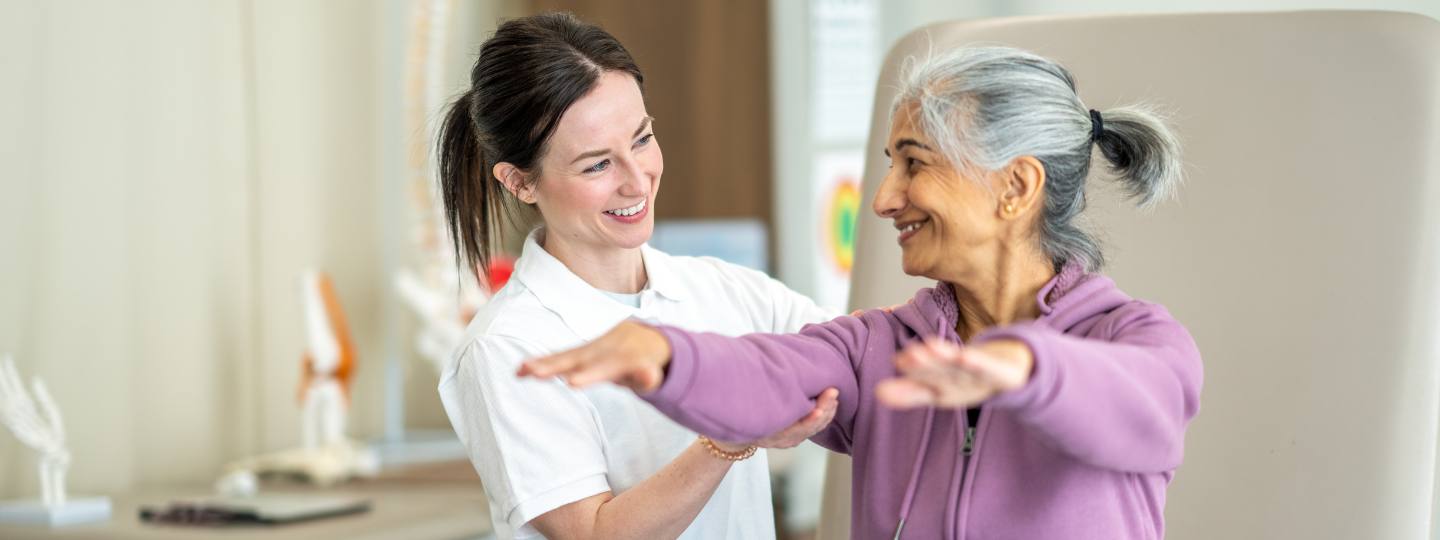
(904, 124)
(611, 111)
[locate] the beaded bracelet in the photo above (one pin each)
(728, 456)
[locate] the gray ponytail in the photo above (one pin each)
(1143, 153)
(986, 106)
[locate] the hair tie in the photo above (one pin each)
(1097, 126)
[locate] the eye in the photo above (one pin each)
(642, 141)
(599, 167)
(911, 163)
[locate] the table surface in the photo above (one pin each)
(441, 501)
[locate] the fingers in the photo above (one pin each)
(625, 355)
(588, 373)
(981, 364)
(555, 364)
(1004, 366)
(886, 309)
(825, 407)
(942, 374)
(581, 368)
(933, 361)
(826, 404)
(830, 398)
(905, 393)
(916, 356)
(568, 363)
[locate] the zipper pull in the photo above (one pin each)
(969, 441)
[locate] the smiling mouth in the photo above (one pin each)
(910, 229)
(629, 211)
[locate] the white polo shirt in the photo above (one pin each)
(539, 444)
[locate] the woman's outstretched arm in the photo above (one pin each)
(729, 388)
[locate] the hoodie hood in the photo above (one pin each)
(1072, 296)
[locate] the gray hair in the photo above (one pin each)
(986, 106)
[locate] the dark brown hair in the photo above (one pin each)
(528, 74)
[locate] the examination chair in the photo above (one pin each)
(1303, 253)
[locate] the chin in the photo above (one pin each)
(911, 268)
(636, 238)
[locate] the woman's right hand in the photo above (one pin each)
(632, 355)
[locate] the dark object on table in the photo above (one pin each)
(262, 510)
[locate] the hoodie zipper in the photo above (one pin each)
(969, 449)
(967, 453)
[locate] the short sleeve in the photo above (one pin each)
(793, 311)
(777, 308)
(537, 444)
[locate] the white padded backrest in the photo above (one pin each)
(1302, 253)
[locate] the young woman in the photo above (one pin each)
(556, 119)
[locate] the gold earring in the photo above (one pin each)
(1009, 208)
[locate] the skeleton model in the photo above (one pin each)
(325, 456)
(42, 429)
(45, 435)
(328, 365)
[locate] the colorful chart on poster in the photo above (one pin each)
(844, 209)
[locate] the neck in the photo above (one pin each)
(1001, 292)
(618, 270)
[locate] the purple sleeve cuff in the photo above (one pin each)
(1042, 372)
(680, 373)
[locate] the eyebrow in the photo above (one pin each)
(644, 123)
(902, 143)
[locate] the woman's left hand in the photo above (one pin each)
(825, 406)
(941, 374)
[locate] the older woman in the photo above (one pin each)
(1025, 395)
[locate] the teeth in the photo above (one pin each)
(910, 227)
(628, 211)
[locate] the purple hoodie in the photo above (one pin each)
(1084, 450)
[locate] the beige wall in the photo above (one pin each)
(167, 168)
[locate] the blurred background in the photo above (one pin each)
(169, 169)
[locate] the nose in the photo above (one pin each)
(890, 199)
(636, 182)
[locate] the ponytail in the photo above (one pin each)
(1142, 152)
(473, 201)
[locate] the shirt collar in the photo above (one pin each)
(585, 309)
(660, 270)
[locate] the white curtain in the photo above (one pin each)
(167, 169)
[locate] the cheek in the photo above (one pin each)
(960, 212)
(967, 224)
(570, 198)
(931, 198)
